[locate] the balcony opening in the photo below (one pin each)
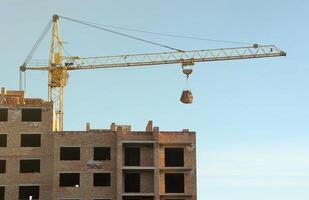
(69, 153)
(132, 182)
(101, 179)
(3, 140)
(26, 191)
(2, 166)
(29, 166)
(4, 114)
(174, 157)
(174, 183)
(30, 140)
(101, 153)
(2, 191)
(31, 115)
(69, 180)
(132, 156)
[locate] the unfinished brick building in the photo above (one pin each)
(116, 164)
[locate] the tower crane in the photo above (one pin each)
(58, 65)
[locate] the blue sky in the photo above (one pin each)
(251, 116)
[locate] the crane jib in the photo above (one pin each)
(77, 63)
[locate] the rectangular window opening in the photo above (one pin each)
(2, 191)
(101, 179)
(2, 166)
(174, 183)
(174, 199)
(3, 140)
(101, 153)
(69, 180)
(132, 156)
(31, 114)
(132, 182)
(30, 140)
(29, 166)
(69, 153)
(131, 198)
(69, 199)
(26, 191)
(101, 199)
(138, 198)
(174, 157)
(4, 114)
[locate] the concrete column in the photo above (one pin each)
(119, 165)
(156, 164)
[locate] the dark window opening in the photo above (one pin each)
(101, 153)
(69, 153)
(4, 114)
(174, 157)
(132, 156)
(174, 183)
(174, 199)
(137, 198)
(69, 180)
(26, 191)
(3, 140)
(2, 166)
(69, 199)
(101, 179)
(31, 115)
(132, 182)
(29, 166)
(101, 199)
(30, 140)
(2, 190)
(131, 198)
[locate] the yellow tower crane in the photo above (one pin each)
(59, 65)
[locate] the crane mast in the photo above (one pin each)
(58, 65)
(57, 76)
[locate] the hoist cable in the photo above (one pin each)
(20, 80)
(119, 33)
(25, 82)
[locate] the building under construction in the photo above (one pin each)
(39, 160)
(94, 164)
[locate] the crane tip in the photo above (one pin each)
(282, 53)
(55, 17)
(22, 68)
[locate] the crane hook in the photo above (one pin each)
(186, 66)
(186, 96)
